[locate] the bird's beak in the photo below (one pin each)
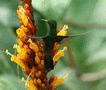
(45, 20)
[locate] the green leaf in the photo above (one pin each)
(8, 15)
(96, 59)
(80, 11)
(10, 82)
(7, 40)
(51, 9)
(100, 85)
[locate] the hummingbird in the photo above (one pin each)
(49, 41)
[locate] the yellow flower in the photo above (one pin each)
(63, 32)
(54, 81)
(59, 54)
(31, 84)
(30, 52)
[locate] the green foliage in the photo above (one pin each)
(8, 15)
(7, 39)
(88, 50)
(10, 82)
(52, 9)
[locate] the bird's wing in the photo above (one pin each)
(62, 39)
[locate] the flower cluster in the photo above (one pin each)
(30, 52)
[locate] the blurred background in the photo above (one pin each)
(85, 59)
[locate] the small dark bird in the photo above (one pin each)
(49, 41)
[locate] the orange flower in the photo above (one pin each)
(30, 53)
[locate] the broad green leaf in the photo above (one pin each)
(100, 85)
(10, 82)
(8, 15)
(80, 10)
(7, 40)
(99, 15)
(51, 9)
(42, 28)
(96, 53)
